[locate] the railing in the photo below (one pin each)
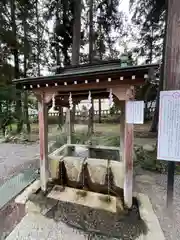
(80, 114)
(106, 115)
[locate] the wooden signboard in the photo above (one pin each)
(169, 126)
(135, 112)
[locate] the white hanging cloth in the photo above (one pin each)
(110, 100)
(53, 103)
(70, 102)
(89, 105)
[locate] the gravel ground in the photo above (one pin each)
(16, 157)
(155, 185)
(10, 216)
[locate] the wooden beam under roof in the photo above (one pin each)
(75, 93)
(63, 100)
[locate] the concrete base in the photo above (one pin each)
(86, 198)
(36, 226)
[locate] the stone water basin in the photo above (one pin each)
(98, 169)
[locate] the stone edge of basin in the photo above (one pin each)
(23, 197)
(148, 215)
(57, 151)
(146, 211)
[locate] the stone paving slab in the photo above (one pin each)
(15, 185)
(36, 226)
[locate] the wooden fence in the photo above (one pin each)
(80, 116)
(105, 116)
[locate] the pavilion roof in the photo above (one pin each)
(103, 73)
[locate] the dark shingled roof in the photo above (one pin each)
(101, 70)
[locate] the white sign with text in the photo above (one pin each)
(135, 112)
(169, 126)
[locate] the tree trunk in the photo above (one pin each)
(91, 31)
(58, 62)
(151, 46)
(76, 46)
(76, 33)
(38, 40)
(26, 113)
(154, 126)
(91, 111)
(16, 66)
(55, 36)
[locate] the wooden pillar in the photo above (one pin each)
(43, 138)
(128, 164)
(68, 126)
(60, 118)
(122, 129)
(43, 100)
(91, 118)
(73, 113)
(99, 110)
(127, 138)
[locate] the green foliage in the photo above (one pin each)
(149, 16)
(154, 8)
(19, 53)
(7, 97)
(61, 39)
(82, 138)
(147, 92)
(107, 19)
(114, 109)
(109, 28)
(148, 160)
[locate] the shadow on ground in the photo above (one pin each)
(98, 224)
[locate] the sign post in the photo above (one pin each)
(171, 66)
(169, 135)
(134, 114)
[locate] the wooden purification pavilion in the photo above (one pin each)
(99, 80)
